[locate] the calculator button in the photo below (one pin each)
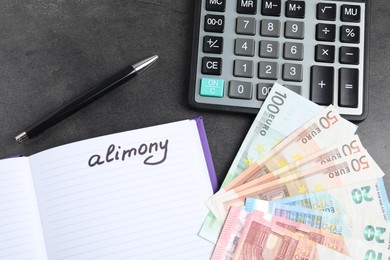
(214, 23)
(271, 7)
(350, 13)
(348, 87)
(244, 47)
(326, 11)
(216, 5)
(350, 34)
(294, 30)
(293, 51)
(211, 87)
(326, 32)
(246, 6)
(268, 70)
(213, 44)
(241, 90)
(349, 55)
(322, 79)
(243, 68)
(270, 28)
(269, 49)
(296, 89)
(292, 72)
(295, 9)
(325, 53)
(211, 66)
(263, 90)
(246, 26)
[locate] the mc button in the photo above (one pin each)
(216, 5)
(211, 66)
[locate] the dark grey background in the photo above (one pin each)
(53, 50)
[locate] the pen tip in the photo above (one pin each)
(20, 138)
(146, 63)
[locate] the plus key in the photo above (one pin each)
(321, 85)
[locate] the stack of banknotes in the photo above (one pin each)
(302, 186)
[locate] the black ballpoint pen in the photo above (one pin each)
(82, 101)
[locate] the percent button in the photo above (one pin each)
(350, 34)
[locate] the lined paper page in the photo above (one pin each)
(21, 234)
(121, 207)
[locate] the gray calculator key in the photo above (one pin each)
(294, 30)
(270, 28)
(269, 49)
(268, 70)
(244, 47)
(243, 68)
(292, 72)
(293, 51)
(263, 89)
(240, 89)
(245, 25)
(296, 89)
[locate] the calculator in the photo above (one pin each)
(316, 48)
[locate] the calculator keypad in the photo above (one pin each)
(315, 48)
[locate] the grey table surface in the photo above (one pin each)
(53, 50)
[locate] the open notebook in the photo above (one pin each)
(133, 195)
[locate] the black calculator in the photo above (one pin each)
(317, 48)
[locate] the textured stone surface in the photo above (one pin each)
(53, 50)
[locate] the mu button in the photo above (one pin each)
(211, 66)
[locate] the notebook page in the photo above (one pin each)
(21, 234)
(148, 206)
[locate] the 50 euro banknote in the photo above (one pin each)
(347, 147)
(349, 170)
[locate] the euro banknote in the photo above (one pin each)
(350, 170)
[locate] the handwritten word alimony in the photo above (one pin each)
(117, 153)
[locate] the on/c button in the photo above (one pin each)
(211, 87)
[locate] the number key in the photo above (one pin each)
(294, 30)
(243, 68)
(246, 26)
(270, 28)
(292, 72)
(293, 51)
(263, 90)
(244, 47)
(268, 70)
(239, 89)
(269, 49)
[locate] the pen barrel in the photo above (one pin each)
(78, 104)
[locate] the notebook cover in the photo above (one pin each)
(207, 153)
